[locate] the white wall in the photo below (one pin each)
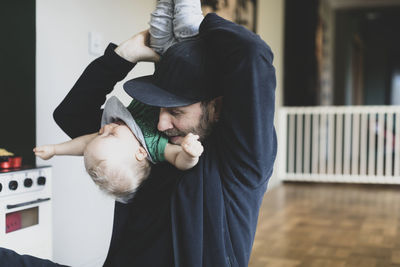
(270, 26)
(82, 215)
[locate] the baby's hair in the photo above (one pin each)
(121, 179)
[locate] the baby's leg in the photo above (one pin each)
(161, 33)
(187, 18)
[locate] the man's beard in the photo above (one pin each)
(202, 129)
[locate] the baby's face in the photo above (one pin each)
(116, 141)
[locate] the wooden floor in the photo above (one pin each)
(328, 225)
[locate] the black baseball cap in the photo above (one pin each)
(183, 76)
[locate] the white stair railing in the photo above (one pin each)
(355, 144)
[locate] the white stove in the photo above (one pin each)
(26, 211)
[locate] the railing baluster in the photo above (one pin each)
(307, 142)
(363, 145)
(347, 148)
(371, 146)
(322, 144)
(291, 143)
(379, 158)
(355, 144)
(282, 155)
(331, 148)
(315, 139)
(299, 143)
(339, 144)
(397, 146)
(389, 151)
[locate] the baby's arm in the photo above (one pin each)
(74, 147)
(186, 155)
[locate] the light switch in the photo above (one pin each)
(96, 43)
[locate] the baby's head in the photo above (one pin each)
(116, 161)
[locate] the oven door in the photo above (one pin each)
(25, 224)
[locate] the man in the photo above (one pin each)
(206, 216)
(220, 86)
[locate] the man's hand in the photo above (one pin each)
(45, 152)
(137, 49)
(192, 146)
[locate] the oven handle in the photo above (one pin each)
(39, 200)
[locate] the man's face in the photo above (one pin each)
(177, 122)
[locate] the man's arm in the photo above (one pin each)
(74, 147)
(186, 155)
(247, 80)
(80, 112)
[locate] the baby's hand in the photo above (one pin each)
(45, 152)
(192, 146)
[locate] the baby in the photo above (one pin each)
(118, 156)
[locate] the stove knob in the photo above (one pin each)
(28, 182)
(41, 180)
(1, 187)
(13, 185)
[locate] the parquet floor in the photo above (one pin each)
(328, 225)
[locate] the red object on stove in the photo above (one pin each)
(16, 162)
(12, 162)
(5, 164)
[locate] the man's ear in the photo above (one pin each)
(141, 154)
(217, 103)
